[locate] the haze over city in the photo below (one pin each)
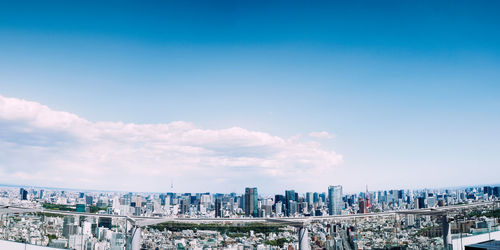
(216, 98)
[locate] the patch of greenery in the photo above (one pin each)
(224, 229)
(50, 206)
(236, 235)
(51, 237)
(95, 209)
(277, 243)
(490, 214)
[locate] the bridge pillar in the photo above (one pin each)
(446, 232)
(304, 239)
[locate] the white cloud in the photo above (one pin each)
(40, 146)
(322, 135)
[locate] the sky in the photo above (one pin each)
(221, 95)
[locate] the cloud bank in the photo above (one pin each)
(41, 146)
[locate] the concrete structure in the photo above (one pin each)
(460, 242)
(304, 239)
(21, 246)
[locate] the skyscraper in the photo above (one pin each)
(488, 190)
(218, 207)
(496, 192)
(24, 194)
(335, 202)
(309, 198)
(289, 196)
(251, 202)
(315, 197)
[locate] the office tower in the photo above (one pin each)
(292, 208)
(89, 200)
(242, 202)
(218, 207)
(335, 202)
(277, 207)
(40, 194)
(315, 197)
(279, 198)
(251, 202)
(184, 205)
(24, 194)
(289, 196)
(362, 206)
(488, 190)
(367, 199)
(422, 202)
(401, 194)
(431, 201)
(496, 191)
(322, 197)
(137, 211)
(69, 226)
(309, 198)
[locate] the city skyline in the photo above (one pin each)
(449, 218)
(226, 95)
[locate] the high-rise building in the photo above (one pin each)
(322, 197)
(362, 206)
(335, 202)
(279, 198)
(488, 190)
(89, 200)
(277, 207)
(69, 226)
(309, 198)
(251, 202)
(496, 191)
(24, 194)
(289, 196)
(218, 207)
(422, 202)
(292, 208)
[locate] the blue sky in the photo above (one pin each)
(410, 89)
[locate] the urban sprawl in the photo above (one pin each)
(386, 219)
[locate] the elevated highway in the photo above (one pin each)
(139, 222)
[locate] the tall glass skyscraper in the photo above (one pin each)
(251, 202)
(290, 199)
(335, 202)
